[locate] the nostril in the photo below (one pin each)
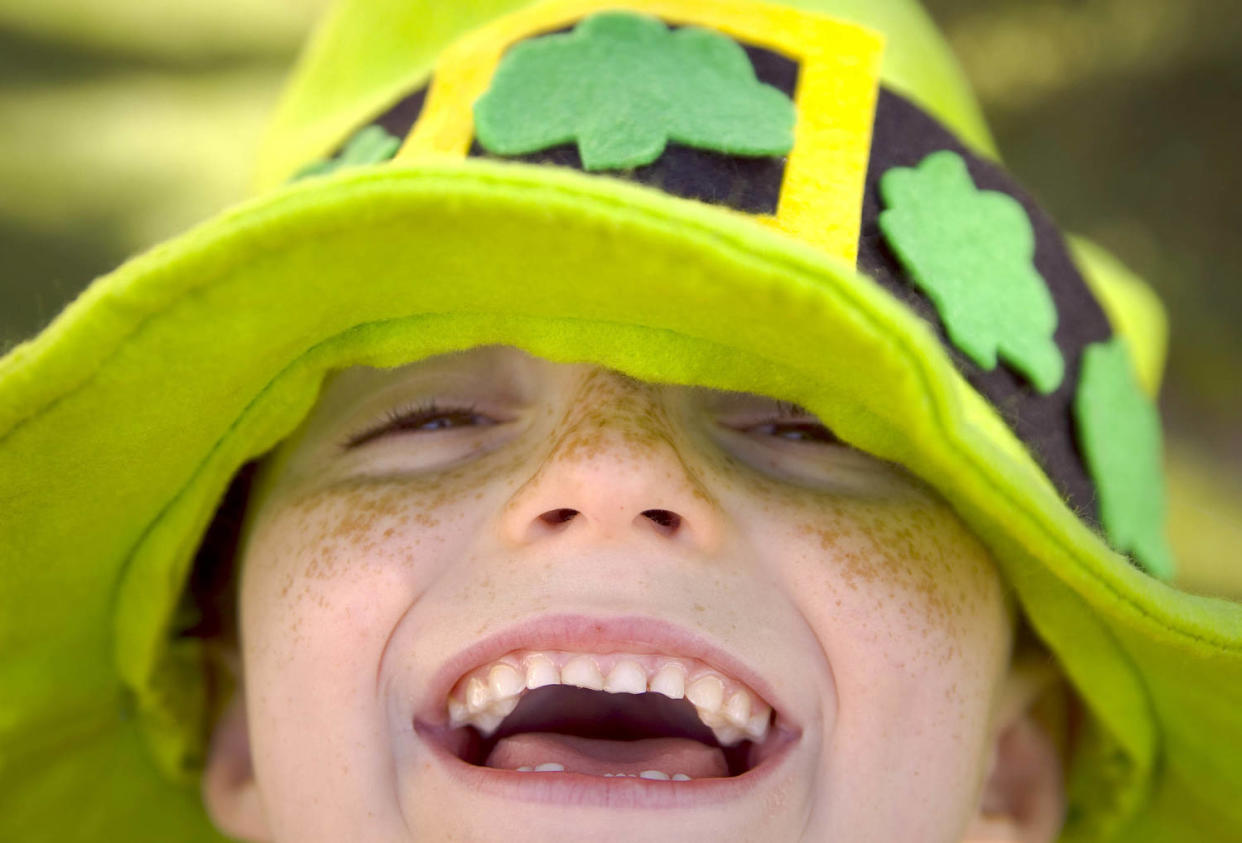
(554, 517)
(670, 521)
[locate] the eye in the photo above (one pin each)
(422, 418)
(797, 432)
(794, 424)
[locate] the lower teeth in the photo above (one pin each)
(653, 775)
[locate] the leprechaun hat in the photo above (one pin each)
(797, 200)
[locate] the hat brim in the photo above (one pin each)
(122, 424)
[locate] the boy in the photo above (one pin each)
(547, 527)
(571, 541)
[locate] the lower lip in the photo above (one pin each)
(577, 789)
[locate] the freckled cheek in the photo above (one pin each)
(906, 605)
(898, 568)
(332, 580)
(903, 574)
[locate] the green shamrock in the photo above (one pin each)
(972, 252)
(371, 145)
(623, 85)
(1119, 433)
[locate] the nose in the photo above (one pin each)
(614, 471)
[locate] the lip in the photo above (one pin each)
(600, 635)
(579, 789)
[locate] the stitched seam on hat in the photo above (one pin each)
(463, 175)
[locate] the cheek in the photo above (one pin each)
(336, 568)
(908, 609)
(327, 578)
(896, 573)
(917, 632)
(909, 600)
(327, 575)
(908, 569)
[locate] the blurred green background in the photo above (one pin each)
(123, 122)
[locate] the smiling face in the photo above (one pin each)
(486, 562)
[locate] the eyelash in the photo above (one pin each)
(417, 417)
(786, 410)
(413, 418)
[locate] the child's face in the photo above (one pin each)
(568, 510)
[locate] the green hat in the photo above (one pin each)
(797, 199)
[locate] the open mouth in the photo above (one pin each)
(610, 716)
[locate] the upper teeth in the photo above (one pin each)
(488, 694)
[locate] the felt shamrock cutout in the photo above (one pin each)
(369, 146)
(972, 253)
(623, 85)
(1119, 433)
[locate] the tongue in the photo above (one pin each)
(596, 757)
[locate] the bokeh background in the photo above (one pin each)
(123, 122)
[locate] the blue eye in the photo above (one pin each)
(423, 418)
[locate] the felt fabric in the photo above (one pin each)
(352, 71)
(623, 85)
(860, 360)
(1120, 434)
(370, 145)
(401, 116)
(821, 197)
(749, 184)
(1133, 310)
(378, 140)
(838, 73)
(122, 425)
(972, 253)
(395, 121)
(904, 136)
(710, 177)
